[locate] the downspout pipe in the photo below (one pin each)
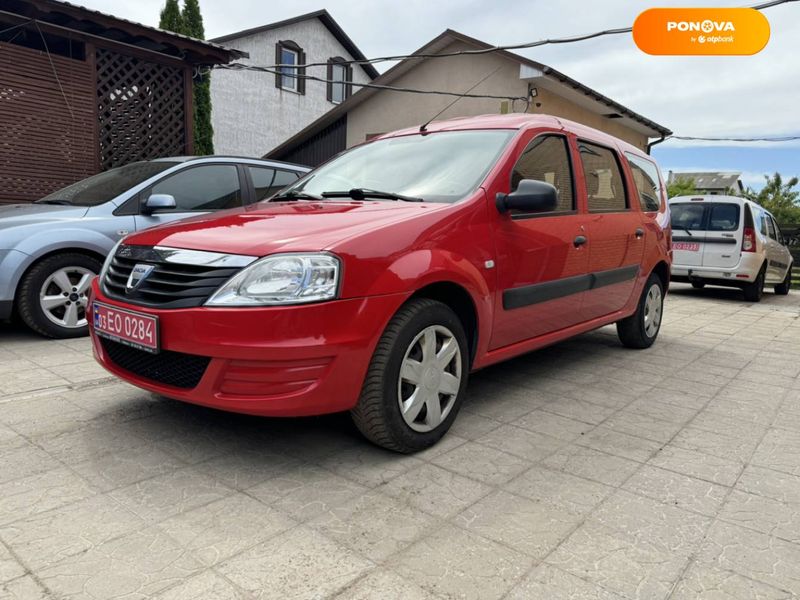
(663, 138)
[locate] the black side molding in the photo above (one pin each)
(542, 292)
(559, 288)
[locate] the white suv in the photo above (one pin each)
(729, 241)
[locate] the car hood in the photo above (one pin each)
(267, 228)
(17, 215)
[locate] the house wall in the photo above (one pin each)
(553, 104)
(250, 115)
(387, 111)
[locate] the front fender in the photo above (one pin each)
(47, 241)
(424, 267)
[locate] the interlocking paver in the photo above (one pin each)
(300, 563)
(585, 472)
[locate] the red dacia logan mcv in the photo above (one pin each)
(376, 283)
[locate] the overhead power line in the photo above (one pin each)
(376, 86)
(478, 51)
(293, 70)
(787, 138)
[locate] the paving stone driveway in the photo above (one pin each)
(581, 471)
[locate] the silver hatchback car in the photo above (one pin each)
(50, 250)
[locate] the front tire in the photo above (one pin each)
(641, 329)
(782, 289)
(754, 291)
(416, 379)
(53, 295)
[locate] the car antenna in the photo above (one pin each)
(424, 127)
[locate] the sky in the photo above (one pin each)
(741, 96)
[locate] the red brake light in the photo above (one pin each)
(749, 240)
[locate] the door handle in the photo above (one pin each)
(579, 241)
(639, 233)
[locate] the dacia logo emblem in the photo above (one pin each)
(139, 273)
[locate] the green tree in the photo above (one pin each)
(203, 131)
(171, 19)
(681, 186)
(778, 197)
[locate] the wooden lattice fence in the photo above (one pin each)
(141, 109)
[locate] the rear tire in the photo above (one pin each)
(782, 289)
(52, 297)
(641, 329)
(754, 291)
(416, 379)
(698, 285)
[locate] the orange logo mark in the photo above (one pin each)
(702, 31)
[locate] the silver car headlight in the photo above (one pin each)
(109, 258)
(281, 279)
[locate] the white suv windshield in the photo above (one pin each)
(436, 167)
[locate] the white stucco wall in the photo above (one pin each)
(249, 114)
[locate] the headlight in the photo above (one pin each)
(281, 279)
(109, 258)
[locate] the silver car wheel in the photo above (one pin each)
(64, 295)
(653, 306)
(430, 378)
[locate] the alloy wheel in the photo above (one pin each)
(64, 296)
(430, 378)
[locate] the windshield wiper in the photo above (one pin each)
(59, 202)
(293, 195)
(684, 228)
(363, 193)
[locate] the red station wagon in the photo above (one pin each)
(380, 280)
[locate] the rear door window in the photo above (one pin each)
(724, 217)
(605, 188)
(267, 181)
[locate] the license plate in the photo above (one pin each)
(126, 327)
(687, 246)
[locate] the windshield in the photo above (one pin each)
(437, 167)
(102, 187)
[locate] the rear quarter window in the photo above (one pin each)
(648, 182)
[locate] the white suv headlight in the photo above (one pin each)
(281, 279)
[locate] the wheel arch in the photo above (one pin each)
(662, 270)
(459, 300)
(84, 251)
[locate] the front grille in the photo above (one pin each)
(170, 368)
(171, 284)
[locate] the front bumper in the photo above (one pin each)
(272, 361)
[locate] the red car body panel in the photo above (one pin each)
(312, 359)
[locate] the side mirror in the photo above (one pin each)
(158, 202)
(531, 196)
